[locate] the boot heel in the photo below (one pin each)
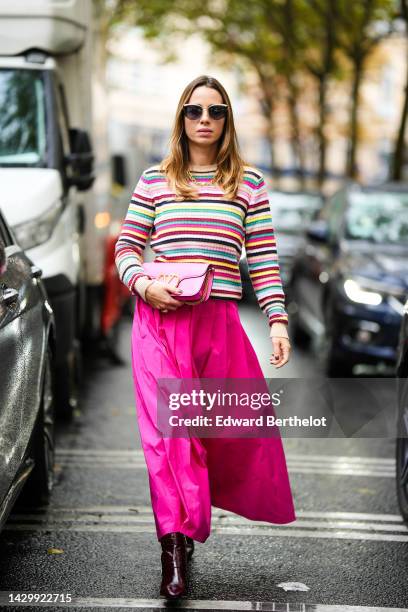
(189, 547)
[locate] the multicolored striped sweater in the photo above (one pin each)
(206, 229)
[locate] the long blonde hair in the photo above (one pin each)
(230, 164)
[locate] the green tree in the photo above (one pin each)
(283, 41)
(362, 26)
(320, 30)
(263, 33)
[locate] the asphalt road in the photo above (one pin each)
(96, 541)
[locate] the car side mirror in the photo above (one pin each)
(3, 259)
(318, 231)
(81, 159)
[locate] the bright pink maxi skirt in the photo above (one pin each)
(247, 476)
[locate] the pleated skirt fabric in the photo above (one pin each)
(187, 476)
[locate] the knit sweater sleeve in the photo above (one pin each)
(134, 234)
(262, 255)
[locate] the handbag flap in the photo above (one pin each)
(191, 275)
(184, 270)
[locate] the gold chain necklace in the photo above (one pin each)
(211, 181)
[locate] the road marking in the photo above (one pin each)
(342, 525)
(100, 509)
(139, 452)
(225, 521)
(253, 531)
(296, 464)
(291, 469)
(198, 604)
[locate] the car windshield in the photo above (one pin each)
(22, 118)
(291, 212)
(378, 217)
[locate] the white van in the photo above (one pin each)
(58, 209)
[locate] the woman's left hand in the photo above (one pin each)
(281, 350)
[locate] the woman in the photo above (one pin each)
(201, 204)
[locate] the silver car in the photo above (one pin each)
(27, 352)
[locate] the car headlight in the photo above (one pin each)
(37, 231)
(361, 293)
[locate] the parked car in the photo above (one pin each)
(291, 212)
(402, 440)
(27, 379)
(349, 282)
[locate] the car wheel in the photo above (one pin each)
(334, 365)
(111, 344)
(299, 335)
(338, 368)
(402, 475)
(128, 308)
(69, 378)
(37, 490)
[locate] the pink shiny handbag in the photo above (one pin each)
(195, 279)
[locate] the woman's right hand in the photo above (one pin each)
(159, 295)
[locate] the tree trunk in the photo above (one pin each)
(321, 129)
(351, 168)
(268, 110)
(272, 148)
(398, 160)
(295, 138)
(331, 16)
(289, 47)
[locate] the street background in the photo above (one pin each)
(319, 90)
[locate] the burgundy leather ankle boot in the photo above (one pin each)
(174, 565)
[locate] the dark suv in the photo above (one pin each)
(349, 281)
